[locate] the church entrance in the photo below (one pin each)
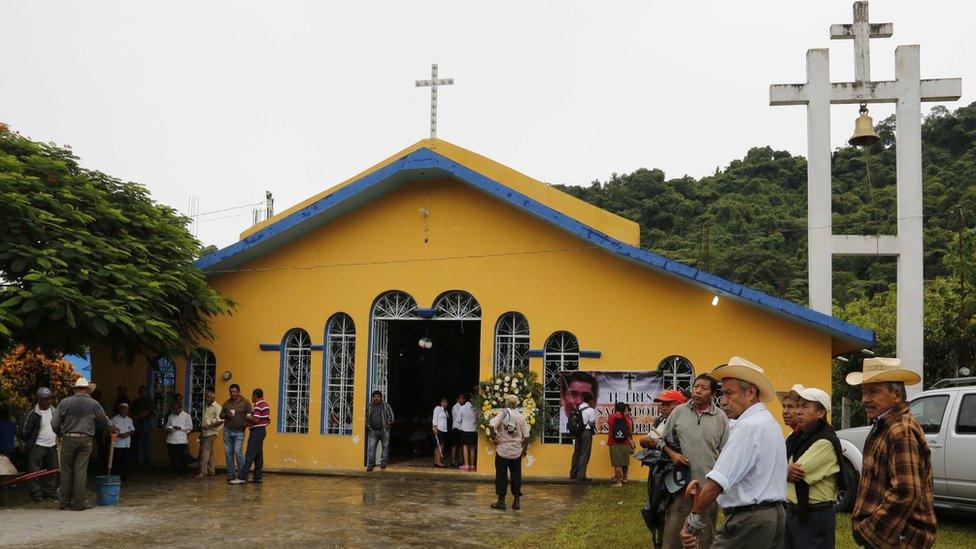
(417, 357)
(418, 378)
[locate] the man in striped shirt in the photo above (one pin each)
(258, 420)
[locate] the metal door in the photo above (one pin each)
(961, 448)
(930, 411)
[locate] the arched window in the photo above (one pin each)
(511, 343)
(202, 371)
(340, 355)
(457, 305)
(561, 354)
(162, 387)
(678, 373)
(296, 370)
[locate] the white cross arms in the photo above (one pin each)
(432, 84)
(861, 31)
(885, 91)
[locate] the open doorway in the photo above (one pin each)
(418, 378)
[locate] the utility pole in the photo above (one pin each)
(962, 342)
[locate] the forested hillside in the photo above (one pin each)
(747, 223)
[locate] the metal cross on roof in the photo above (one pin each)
(432, 84)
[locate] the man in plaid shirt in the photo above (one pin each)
(894, 505)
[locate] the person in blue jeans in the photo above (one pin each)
(234, 413)
(379, 418)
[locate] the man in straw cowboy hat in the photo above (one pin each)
(894, 505)
(75, 420)
(749, 477)
(814, 476)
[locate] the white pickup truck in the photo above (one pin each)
(947, 414)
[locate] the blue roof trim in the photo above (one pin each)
(425, 158)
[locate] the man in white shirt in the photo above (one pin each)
(41, 445)
(123, 441)
(749, 477)
(583, 443)
(456, 430)
(178, 424)
(469, 437)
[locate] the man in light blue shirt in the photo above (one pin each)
(749, 477)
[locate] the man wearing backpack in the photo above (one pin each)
(580, 425)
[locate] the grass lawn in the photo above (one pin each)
(587, 524)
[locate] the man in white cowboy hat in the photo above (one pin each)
(74, 419)
(894, 505)
(814, 476)
(749, 476)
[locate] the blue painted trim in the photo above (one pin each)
(187, 397)
(279, 421)
(590, 354)
(536, 353)
(270, 346)
(425, 158)
(425, 312)
(317, 347)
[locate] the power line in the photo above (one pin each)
(224, 217)
(399, 261)
(229, 209)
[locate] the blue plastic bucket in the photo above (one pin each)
(108, 488)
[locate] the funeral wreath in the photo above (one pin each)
(491, 398)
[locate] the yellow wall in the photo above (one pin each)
(634, 316)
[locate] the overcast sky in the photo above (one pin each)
(224, 100)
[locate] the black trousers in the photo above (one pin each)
(816, 533)
(254, 453)
(177, 457)
(503, 468)
(120, 462)
(43, 457)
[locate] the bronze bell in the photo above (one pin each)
(864, 135)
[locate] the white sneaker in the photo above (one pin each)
(238, 481)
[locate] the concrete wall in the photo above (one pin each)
(634, 316)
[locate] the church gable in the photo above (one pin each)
(426, 164)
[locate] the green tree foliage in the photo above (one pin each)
(88, 259)
(753, 212)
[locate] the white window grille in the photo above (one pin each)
(561, 354)
(392, 305)
(203, 371)
(340, 355)
(511, 344)
(162, 387)
(457, 305)
(296, 373)
(678, 373)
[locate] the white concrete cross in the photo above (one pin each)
(432, 84)
(907, 91)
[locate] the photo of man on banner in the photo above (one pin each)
(602, 390)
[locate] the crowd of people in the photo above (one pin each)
(773, 492)
(728, 450)
(66, 437)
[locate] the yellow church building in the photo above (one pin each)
(500, 272)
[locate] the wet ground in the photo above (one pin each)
(382, 509)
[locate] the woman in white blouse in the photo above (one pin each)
(439, 424)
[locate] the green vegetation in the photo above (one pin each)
(87, 259)
(747, 223)
(589, 524)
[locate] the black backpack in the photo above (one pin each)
(620, 429)
(575, 424)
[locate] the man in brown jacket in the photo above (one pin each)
(894, 505)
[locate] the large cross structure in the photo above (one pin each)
(432, 84)
(907, 91)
